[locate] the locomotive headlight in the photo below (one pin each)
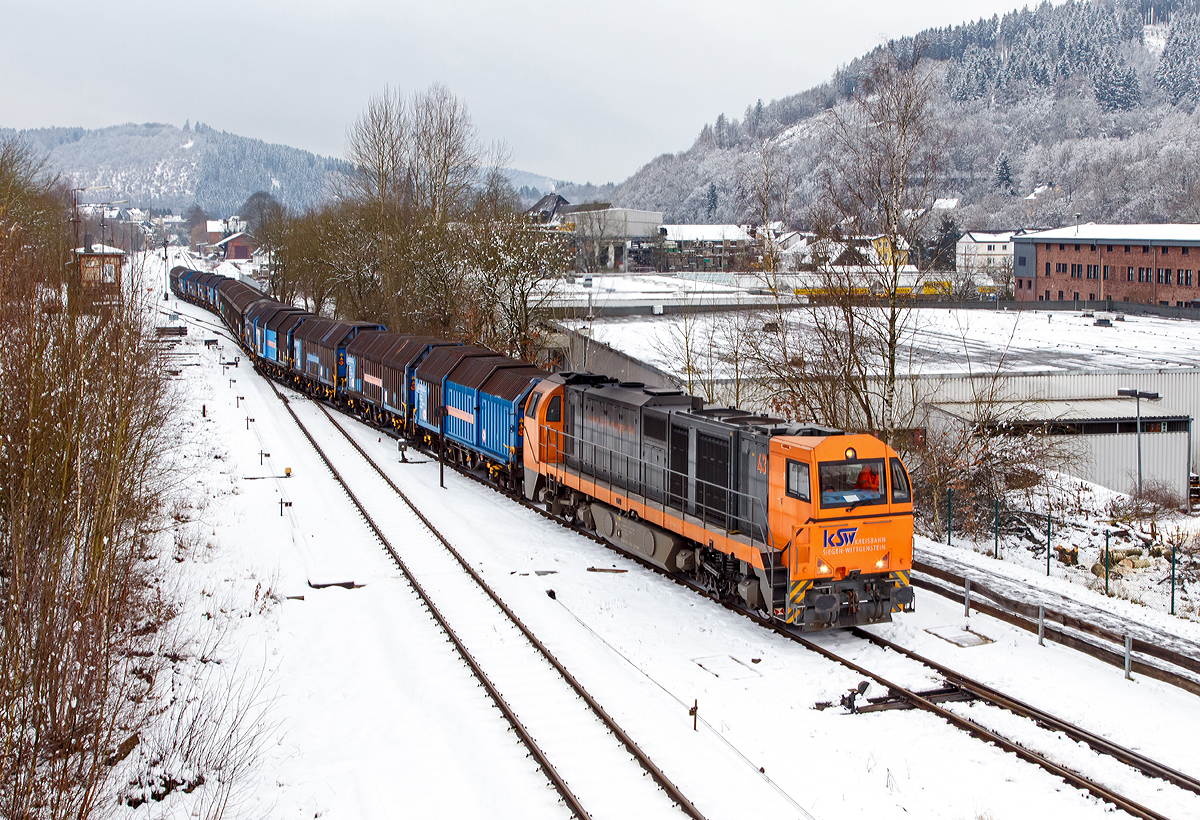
(850, 454)
(822, 567)
(883, 562)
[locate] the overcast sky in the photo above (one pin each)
(586, 92)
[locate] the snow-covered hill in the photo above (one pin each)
(1082, 98)
(163, 166)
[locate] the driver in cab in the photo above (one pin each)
(868, 479)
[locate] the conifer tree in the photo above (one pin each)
(1002, 176)
(711, 204)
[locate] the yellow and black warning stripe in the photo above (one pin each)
(796, 592)
(901, 579)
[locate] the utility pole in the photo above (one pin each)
(1138, 395)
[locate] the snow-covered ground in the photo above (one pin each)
(939, 341)
(646, 289)
(1139, 588)
(372, 715)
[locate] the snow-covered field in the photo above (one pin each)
(939, 341)
(372, 715)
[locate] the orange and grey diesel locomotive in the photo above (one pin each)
(806, 524)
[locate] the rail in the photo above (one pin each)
(1073, 778)
(643, 759)
(987, 694)
(1053, 626)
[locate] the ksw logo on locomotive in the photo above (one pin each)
(846, 540)
(843, 537)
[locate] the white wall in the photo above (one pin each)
(1180, 390)
(1112, 461)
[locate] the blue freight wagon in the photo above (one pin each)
(484, 400)
(429, 378)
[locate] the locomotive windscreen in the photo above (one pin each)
(852, 483)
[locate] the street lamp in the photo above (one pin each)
(1139, 395)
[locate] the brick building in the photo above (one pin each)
(1150, 264)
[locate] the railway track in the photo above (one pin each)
(975, 690)
(987, 694)
(546, 705)
(1177, 664)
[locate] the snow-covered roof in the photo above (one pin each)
(1185, 232)
(982, 236)
(228, 239)
(707, 233)
(98, 248)
(945, 204)
(1066, 410)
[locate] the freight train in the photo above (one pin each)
(807, 525)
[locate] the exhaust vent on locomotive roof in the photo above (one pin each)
(664, 391)
(631, 385)
(583, 377)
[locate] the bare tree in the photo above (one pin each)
(518, 265)
(377, 147)
(765, 189)
(840, 359)
(445, 155)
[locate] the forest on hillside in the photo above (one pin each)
(1089, 106)
(163, 166)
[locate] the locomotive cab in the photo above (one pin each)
(843, 507)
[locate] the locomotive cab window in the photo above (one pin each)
(531, 405)
(852, 483)
(798, 484)
(900, 491)
(554, 409)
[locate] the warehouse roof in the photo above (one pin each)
(1065, 410)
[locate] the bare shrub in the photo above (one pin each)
(84, 507)
(207, 741)
(982, 460)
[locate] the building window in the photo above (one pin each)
(1131, 274)
(1106, 271)
(1047, 296)
(1164, 250)
(1185, 250)
(1062, 246)
(1126, 249)
(1093, 248)
(1047, 268)
(1076, 246)
(1145, 249)
(1021, 261)
(991, 247)
(1004, 247)
(1060, 296)
(1020, 284)
(1110, 248)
